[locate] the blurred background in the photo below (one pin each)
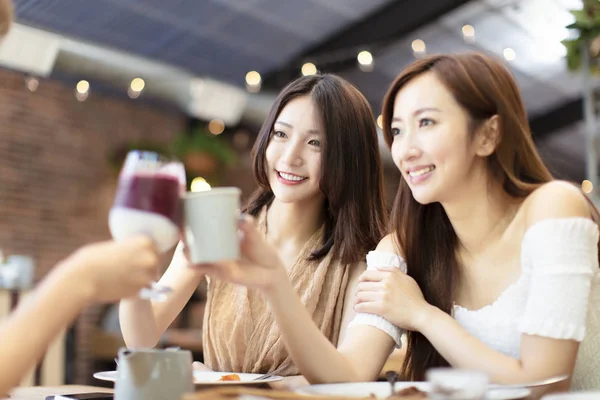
(84, 81)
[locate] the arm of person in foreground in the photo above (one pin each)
(364, 349)
(97, 273)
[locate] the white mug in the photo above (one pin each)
(210, 225)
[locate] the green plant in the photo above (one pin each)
(202, 154)
(587, 26)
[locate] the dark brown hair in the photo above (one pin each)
(483, 87)
(351, 170)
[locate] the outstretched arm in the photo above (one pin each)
(364, 349)
(102, 272)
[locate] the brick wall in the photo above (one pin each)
(55, 183)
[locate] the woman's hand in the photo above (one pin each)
(113, 270)
(393, 295)
(259, 267)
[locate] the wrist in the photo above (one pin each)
(278, 286)
(425, 317)
(69, 275)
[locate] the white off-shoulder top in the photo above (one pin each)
(557, 296)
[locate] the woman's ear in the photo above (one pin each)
(488, 137)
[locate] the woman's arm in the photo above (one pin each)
(143, 321)
(38, 320)
(540, 357)
(102, 272)
(364, 349)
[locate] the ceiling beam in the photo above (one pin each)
(557, 118)
(374, 32)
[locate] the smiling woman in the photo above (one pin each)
(319, 203)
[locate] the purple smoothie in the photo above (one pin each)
(159, 194)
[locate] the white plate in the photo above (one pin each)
(573, 396)
(381, 390)
(507, 393)
(205, 378)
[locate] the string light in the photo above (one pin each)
(365, 57)
(365, 61)
(418, 47)
(309, 69)
(216, 126)
(509, 54)
(468, 31)
(137, 84)
(587, 186)
(253, 81)
(199, 184)
(82, 87)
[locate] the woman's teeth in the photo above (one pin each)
(421, 171)
(291, 177)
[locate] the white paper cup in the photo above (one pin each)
(210, 224)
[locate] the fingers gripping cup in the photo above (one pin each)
(210, 225)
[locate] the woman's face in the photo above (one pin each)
(432, 146)
(294, 154)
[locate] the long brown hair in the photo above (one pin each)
(351, 170)
(483, 87)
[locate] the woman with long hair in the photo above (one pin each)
(491, 264)
(319, 205)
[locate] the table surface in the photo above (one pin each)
(40, 392)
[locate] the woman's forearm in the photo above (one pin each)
(138, 323)
(316, 357)
(462, 350)
(40, 317)
(142, 321)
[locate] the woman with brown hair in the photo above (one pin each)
(499, 262)
(319, 204)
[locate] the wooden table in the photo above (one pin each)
(40, 392)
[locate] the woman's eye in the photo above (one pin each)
(425, 122)
(279, 134)
(315, 143)
(395, 131)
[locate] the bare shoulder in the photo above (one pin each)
(556, 199)
(388, 244)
